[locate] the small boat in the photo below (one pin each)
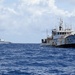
(4, 42)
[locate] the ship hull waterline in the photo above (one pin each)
(67, 46)
(61, 46)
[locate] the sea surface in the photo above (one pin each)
(33, 59)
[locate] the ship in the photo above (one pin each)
(4, 42)
(61, 37)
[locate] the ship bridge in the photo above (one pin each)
(61, 32)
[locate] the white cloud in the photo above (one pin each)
(30, 16)
(34, 7)
(31, 2)
(59, 12)
(12, 11)
(28, 11)
(69, 1)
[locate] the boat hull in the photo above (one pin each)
(67, 46)
(60, 46)
(67, 42)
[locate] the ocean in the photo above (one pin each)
(33, 59)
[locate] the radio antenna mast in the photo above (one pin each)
(61, 24)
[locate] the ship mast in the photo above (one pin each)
(61, 24)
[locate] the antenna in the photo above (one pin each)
(61, 22)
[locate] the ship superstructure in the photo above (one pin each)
(60, 37)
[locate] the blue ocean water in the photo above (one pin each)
(32, 59)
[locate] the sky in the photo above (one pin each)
(26, 21)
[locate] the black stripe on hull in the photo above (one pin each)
(67, 46)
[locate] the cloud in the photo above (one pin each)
(69, 1)
(29, 12)
(47, 6)
(30, 16)
(58, 11)
(30, 2)
(12, 11)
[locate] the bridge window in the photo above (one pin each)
(61, 33)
